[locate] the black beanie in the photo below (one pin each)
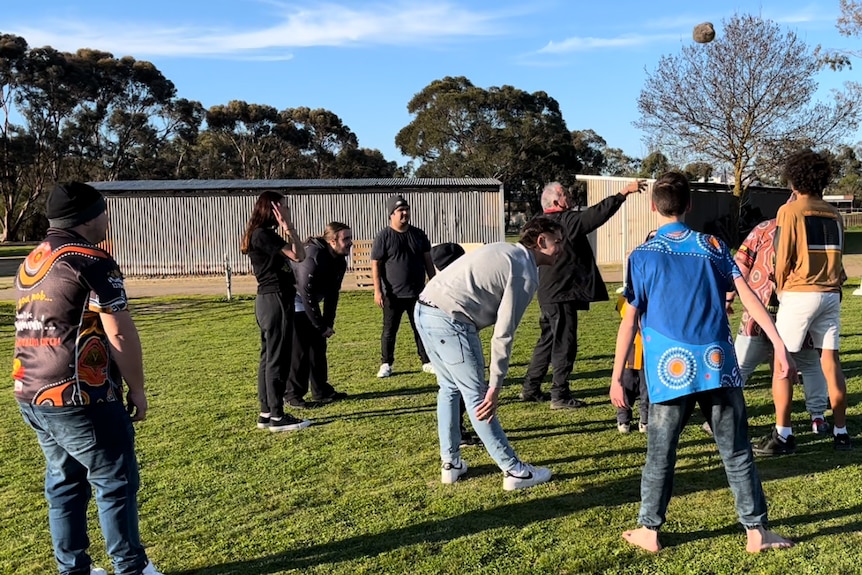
(72, 204)
(444, 254)
(394, 203)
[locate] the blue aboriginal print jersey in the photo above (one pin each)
(62, 355)
(678, 281)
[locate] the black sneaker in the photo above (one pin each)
(287, 423)
(774, 444)
(296, 403)
(570, 403)
(534, 398)
(468, 439)
(337, 396)
(842, 442)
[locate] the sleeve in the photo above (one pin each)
(513, 304)
(378, 247)
(785, 246)
(635, 292)
(747, 252)
(107, 289)
(426, 244)
(304, 272)
(589, 220)
(333, 292)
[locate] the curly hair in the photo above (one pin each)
(534, 228)
(807, 172)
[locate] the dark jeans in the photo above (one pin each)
(634, 386)
(308, 362)
(557, 347)
(86, 447)
(724, 408)
(393, 309)
(274, 314)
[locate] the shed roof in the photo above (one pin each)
(321, 186)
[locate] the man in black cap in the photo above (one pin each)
(400, 260)
(75, 343)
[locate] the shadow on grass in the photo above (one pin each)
(404, 391)
(518, 513)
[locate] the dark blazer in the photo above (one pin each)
(575, 277)
(318, 279)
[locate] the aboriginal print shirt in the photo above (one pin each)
(62, 356)
(678, 281)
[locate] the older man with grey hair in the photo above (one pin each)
(569, 285)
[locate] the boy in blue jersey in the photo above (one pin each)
(689, 359)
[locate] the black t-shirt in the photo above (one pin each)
(268, 263)
(401, 259)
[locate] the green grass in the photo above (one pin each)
(19, 250)
(359, 491)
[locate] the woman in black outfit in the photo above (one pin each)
(273, 306)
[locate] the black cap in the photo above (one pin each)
(444, 254)
(394, 203)
(72, 204)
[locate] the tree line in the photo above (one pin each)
(731, 108)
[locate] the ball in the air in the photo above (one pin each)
(704, 33)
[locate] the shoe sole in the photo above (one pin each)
(765, 453)
(263, 426)
(291, 427)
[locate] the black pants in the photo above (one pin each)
(634, 386)
(393, 309)
(308, 362)
(274, 314)
(557, 347)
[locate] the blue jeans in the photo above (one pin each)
(455, 352)
(725, 410)
(86, 446)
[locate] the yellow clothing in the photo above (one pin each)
(636, 353)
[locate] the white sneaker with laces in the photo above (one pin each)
(97, 571)
(385, 370)
(428, 368)
(642, 427)
(150, 569)
(624, 427)
(451, 471)
(525, 475)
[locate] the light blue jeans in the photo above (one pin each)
(752, 351)
(83, 446)
(455, 351)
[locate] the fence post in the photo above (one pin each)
(227, 274)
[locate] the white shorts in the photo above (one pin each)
(817, 313)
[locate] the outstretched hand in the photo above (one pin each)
(636, 186)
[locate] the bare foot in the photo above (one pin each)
(761, 539)
(644, 538)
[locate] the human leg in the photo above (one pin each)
(321, 389)
(276, 332)
(813, 382)
(751, 351)
(391, 322)
(409, 305)
(297, 381)
(643, 406)
(564, 349)
(541, 358)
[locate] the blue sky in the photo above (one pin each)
(364, 60)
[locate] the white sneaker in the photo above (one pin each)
(624, 427)
(97, 571)
(642, 427)
(525, 475)
(385, 370)
(150, 569)
(428, 368)
(450, 472)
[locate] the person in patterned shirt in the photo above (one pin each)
(689, 360)
(75, 344)
(755, 258)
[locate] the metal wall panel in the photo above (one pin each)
(165, 234)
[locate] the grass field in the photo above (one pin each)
(359, 492)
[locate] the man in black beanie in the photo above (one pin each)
(400, 260)
(75, 343)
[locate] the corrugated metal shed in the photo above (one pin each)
(189, 227)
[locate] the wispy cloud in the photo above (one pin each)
(329, 24)
(587, 43)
